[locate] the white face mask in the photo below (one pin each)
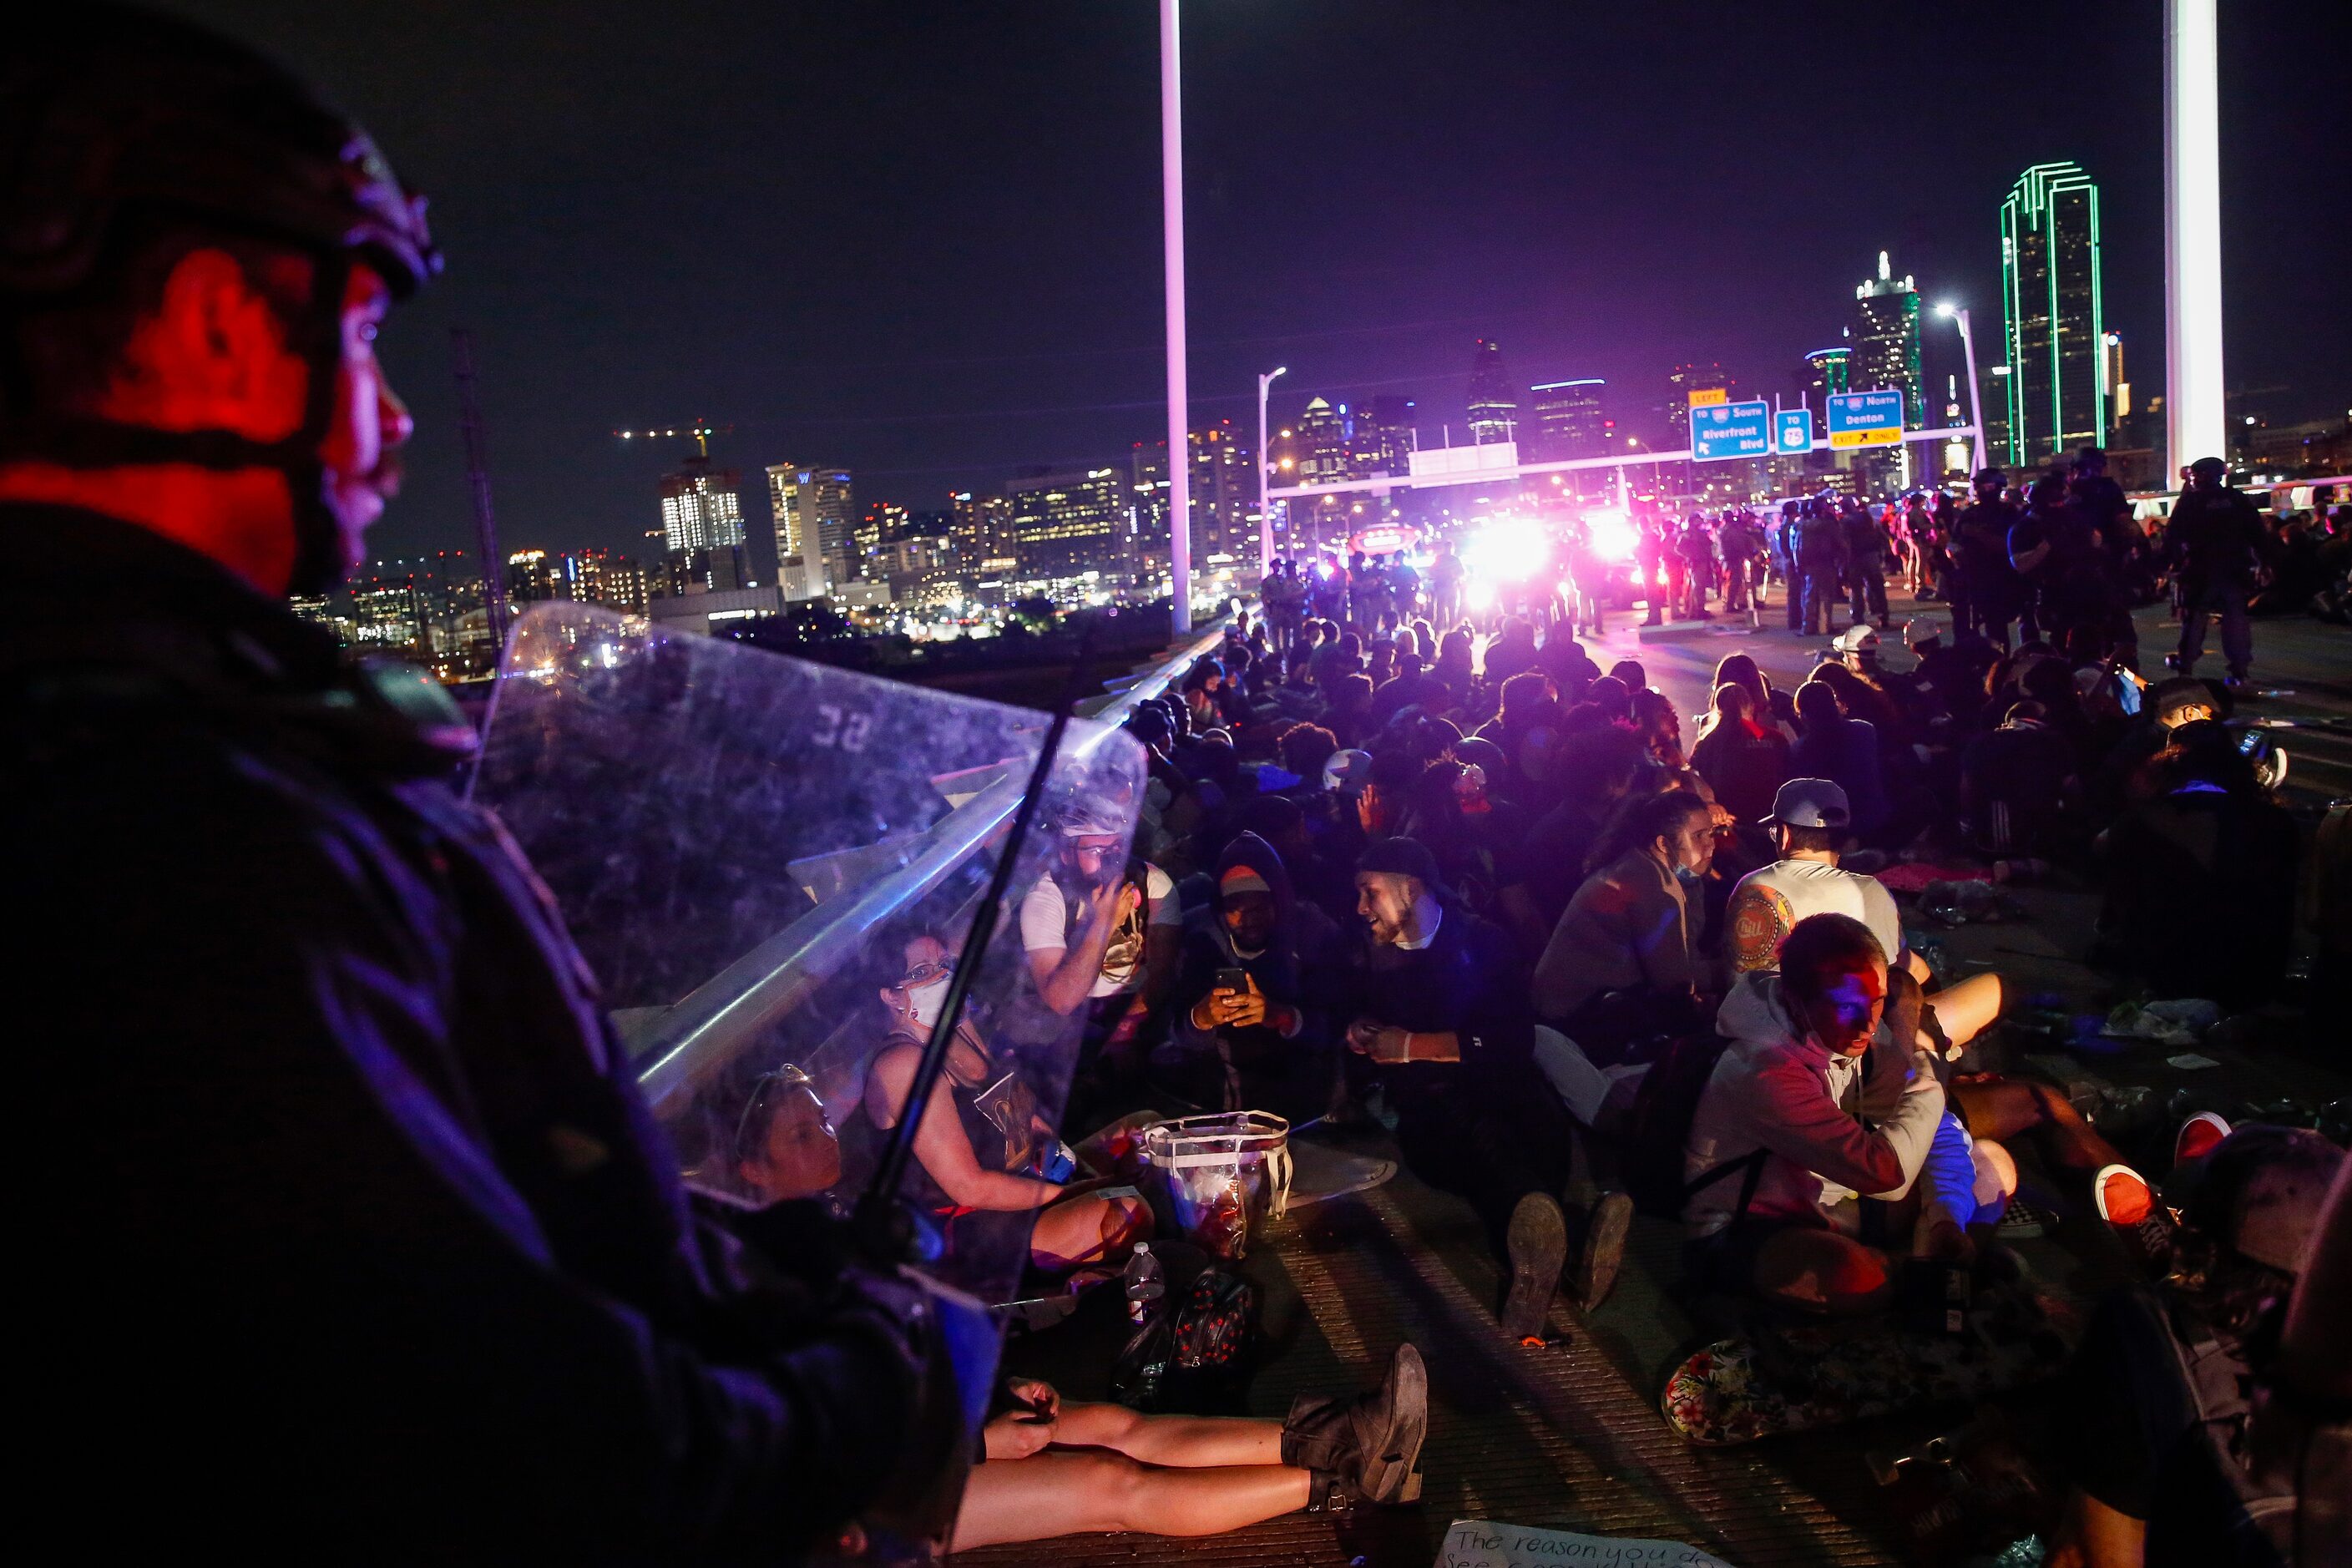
(925, 1001)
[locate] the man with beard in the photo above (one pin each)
(369, 1248)
(1440, 1016)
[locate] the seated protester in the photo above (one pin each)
(1612, 698)
(1241, 1015)
(784, 1144)
(1903, 776)
(1456, 669)
(1410, 689)
(1304, 750)
(2201, 835)
(1809, 819)
(1103, 935)
(1890, 670)
(1629, 674)
(1564, 659)
(2156, 1420)
(1743, 760)
(1348, 713)
(1951, 668)
(1439, 1013)
(1501, 825)
(1170, 810)
(1320, 861)
(1385, 801)
(1660, 729)
(2166, 707)
(1526, 729)
(2108, 697)
(1771, 706)
(1621, 968)
(1814, 1107)
(1474, 840)
(2018, 790)
(1842, 750)
(984, 1160)
(1341, 654)
(1055, 1466)
(1201, 687)
(1512, 652)
(1597, 769)
(1854, 673)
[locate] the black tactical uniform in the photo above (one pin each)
(344, 1232)
(352, 1229)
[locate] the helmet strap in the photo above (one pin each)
(83, 442)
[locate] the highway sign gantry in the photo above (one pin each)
(1865, 419)
(1731, 430)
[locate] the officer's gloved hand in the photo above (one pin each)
(947, 1343)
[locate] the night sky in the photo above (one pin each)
(923, 241)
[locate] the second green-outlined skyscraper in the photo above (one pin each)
(2052, 324)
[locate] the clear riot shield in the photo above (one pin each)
(769, 865)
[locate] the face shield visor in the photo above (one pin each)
(772, 867)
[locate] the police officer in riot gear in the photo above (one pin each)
(350, 1234)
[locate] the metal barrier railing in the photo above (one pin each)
(682, 1046)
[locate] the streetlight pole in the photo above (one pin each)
(1172, 203)
(2196, 421)
(1264, 466)
(1976, 413)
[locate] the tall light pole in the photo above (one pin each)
(1976, 411)
(1172, 205)
(1265, 466)
(2196, 420)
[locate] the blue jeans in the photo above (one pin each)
(2199, 603)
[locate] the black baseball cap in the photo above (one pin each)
(1400, 857)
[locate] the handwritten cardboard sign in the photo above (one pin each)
(1483, 1544)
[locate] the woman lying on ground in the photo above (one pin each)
(984, 1158)
(1060, 1468)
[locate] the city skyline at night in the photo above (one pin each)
(989, 300)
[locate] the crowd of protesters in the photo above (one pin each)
(1415, 865)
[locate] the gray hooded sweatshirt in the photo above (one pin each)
(1831, 1129)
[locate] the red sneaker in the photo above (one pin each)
(2197, 1137)
(2128, 1205)
(2122, 1194)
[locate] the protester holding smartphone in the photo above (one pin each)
(1249, 1042)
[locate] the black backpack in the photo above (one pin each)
(1196, 1348)
(1658, 1129)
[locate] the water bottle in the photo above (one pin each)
(1146, 1282)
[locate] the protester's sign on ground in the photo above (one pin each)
(1484, 1543)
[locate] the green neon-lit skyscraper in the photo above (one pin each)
(2052, 322)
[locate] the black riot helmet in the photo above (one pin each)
(111, 117)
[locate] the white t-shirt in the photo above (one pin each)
(1768, 902)
(1045, 926)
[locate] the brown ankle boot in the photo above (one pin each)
(1368, 1445)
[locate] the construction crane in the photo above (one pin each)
(696, 430)
(478, 479)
